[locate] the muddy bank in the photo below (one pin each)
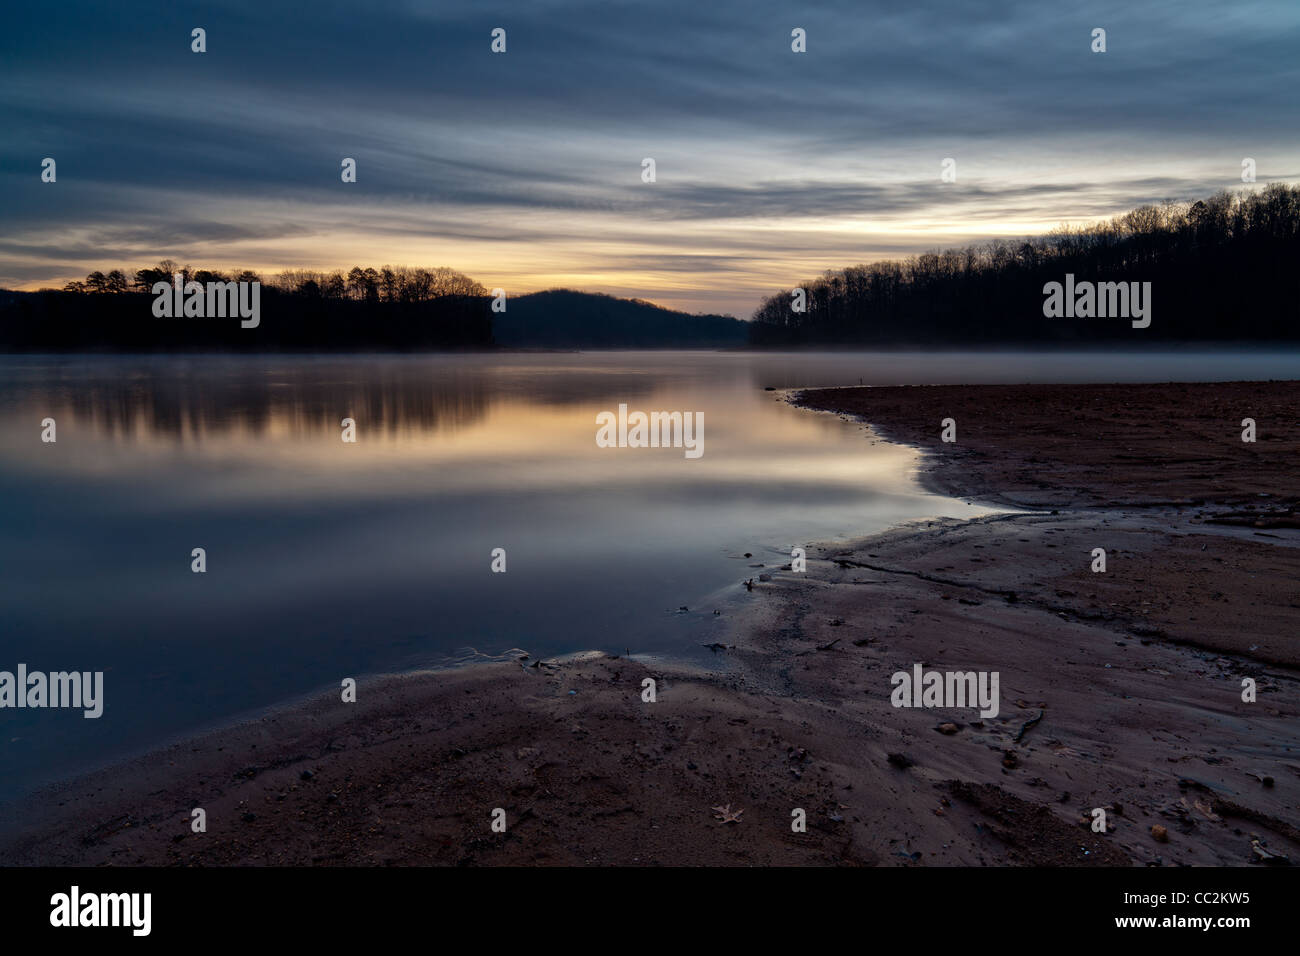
(1119, 691)
(1063, 446)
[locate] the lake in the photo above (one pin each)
(327, 559)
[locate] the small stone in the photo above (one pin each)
(1160, 834)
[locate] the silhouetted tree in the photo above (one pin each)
(1220, 268)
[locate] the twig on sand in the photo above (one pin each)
(1028, 724)
(726, 814)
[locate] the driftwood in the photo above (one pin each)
(1028, 724)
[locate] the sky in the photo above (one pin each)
(523, 169)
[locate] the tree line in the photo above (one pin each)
(386, 284)
(1222, 268)
(390, 308)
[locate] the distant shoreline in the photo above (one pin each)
(1198, 348)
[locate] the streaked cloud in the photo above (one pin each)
(523, 169)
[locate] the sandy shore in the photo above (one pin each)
(1119, 690)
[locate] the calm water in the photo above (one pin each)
(327, 560)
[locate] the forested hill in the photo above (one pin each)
(388, 309)
(1224, 269)
(562, 318)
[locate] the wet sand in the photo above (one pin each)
(1119, 690)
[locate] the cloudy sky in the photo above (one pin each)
(523, 169)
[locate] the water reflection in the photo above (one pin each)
(191, 400)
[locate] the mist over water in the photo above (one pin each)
(328, 560)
